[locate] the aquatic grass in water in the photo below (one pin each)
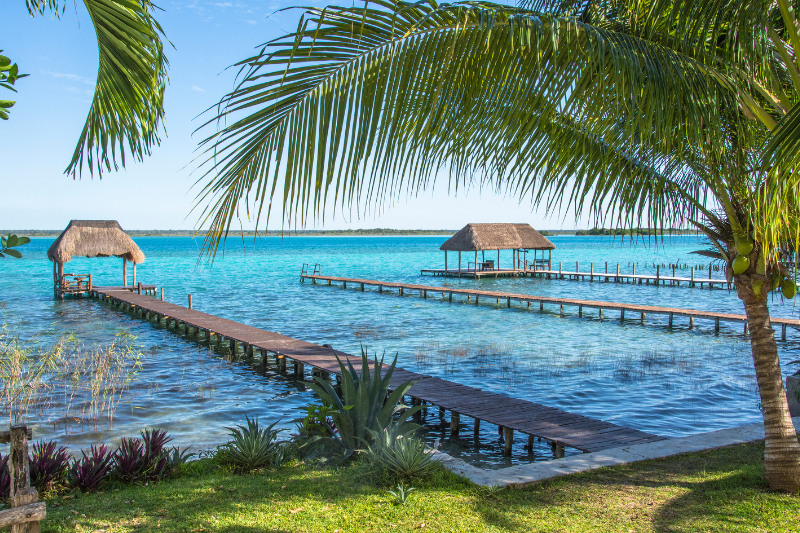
(64, 383)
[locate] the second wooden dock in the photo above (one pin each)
(580, 305)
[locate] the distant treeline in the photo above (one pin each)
(635, 231)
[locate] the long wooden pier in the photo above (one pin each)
(560, 427)
(581, 305)
(615, 276)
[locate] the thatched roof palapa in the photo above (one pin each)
(94, 238)
(477, 237)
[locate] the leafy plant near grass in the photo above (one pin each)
(316, 423)
(397, 452)
(90, 472)
(48, 466)
(147, 459)
(252, 447)
(401, 496)
(362, 406)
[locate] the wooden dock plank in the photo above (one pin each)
(584, 433)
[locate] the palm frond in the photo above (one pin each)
(361, 103)
(127, 109)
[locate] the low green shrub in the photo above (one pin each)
(252, 447)
(400, 454)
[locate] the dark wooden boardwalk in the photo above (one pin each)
(560, 427)
(591, 275)
(581, 305)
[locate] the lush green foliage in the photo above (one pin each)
(128, 105)
(252, 447)
(90, 472)
(9, 74)
(365, 404)
(147, 459)
(9, 243)
(400, 455)
(718, 490)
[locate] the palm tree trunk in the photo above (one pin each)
(782, 453)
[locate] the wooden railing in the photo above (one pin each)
(73, 283)
(26, 511)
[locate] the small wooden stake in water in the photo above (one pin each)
(190, 301)
(162, 294)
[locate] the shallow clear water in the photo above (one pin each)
(670, 382)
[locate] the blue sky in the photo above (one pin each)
(209, 35)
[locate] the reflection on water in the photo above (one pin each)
(671, 382)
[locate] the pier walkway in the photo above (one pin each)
(591, 275)
(559, 427)
(581, 305)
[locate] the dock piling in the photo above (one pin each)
(508, 438)
(455, 419)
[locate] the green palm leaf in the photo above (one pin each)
(128, 105)
(360, 103)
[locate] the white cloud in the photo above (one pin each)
(71, 77)
(198, 89)
(251, 22)
(223, 4)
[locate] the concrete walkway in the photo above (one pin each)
(535, 472)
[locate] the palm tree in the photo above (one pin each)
(638, 113)
(128, 105)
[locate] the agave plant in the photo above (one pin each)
(362, 406)
(48, 465)
(91, 471)
(395, 450)
(401, 495)
(177, 458)
(252, 447)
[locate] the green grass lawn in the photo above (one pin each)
(720, 490)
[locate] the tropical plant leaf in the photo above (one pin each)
(127, 109)
(360, 103)
(709, 253)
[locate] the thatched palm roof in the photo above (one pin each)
(476, 237)
(94, 238)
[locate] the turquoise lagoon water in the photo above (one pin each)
(670, 382)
